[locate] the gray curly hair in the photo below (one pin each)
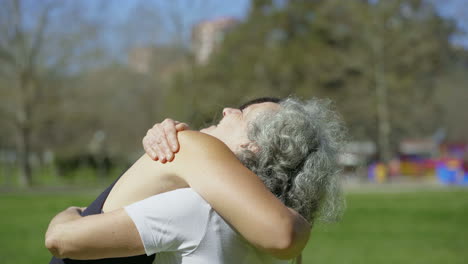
(297, 157)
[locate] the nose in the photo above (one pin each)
(228, 111)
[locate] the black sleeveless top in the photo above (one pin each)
(96, 208)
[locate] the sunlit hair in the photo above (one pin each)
(297, 157)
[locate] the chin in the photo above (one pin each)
(208, 130)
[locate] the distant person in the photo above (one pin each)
(290, 145)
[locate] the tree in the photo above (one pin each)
(35, 56)
(120, 100)
(376, 59)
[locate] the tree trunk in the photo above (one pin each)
(384, 126)
(24, 149)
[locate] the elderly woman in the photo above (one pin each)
(290, 146)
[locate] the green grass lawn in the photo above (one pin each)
(410, 227)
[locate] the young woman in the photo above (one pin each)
(292, 148)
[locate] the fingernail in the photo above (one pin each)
(174, 147)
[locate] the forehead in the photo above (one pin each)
(260, 107)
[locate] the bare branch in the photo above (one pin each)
(38, 38)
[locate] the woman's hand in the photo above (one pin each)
(160, 142)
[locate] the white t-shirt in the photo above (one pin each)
(183, 228)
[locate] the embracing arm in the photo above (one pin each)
(238, 195)
(211, 169)
(112, 234)
(162, 140)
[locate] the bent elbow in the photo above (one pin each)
(54, 245)
(285, 244)
(292, 239)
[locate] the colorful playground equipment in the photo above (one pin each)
(452, 171)
(448, 163)
(453, 167)
(377, 172)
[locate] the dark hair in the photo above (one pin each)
(259, 101)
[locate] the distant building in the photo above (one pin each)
(424, 147)
(139, 59)
(163, 60)
(207, 35)
(357, 153)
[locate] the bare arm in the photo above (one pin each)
(210, 168)
(238, 195)
(162, 140)
(113, 234)
(147, 178)
(144, 179)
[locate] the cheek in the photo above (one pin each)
(241, 133)
(229, 125)
(233, 129)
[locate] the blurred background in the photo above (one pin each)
(82, 81)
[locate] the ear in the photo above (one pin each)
(252, 146)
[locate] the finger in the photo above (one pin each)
(154, 155)
(155, 135)
(160, 154)
(157, 138)
(152, 148)
(171, 137)
(181, 126)
(148, 148)
(167, 150)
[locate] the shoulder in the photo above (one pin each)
(196, 137)
(201, 156)
(199, 144)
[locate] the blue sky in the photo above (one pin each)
(235, 8)
(456, 9)
(118, 13)
(121, 10)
